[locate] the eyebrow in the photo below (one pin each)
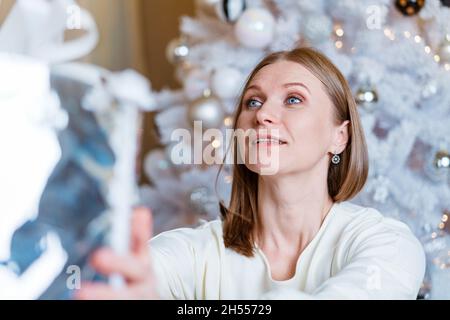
(286, 85)
(294, 84)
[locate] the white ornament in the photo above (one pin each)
(208, 110)
(195, 84)
(255, 28)
(317, 28)
(226, 82)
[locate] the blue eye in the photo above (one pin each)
(252, 103)
(294, 100)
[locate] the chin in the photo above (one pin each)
(264, 169)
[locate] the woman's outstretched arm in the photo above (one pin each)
(135, 268)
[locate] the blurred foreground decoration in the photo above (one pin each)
(69, 135)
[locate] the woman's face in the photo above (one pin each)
(294, 116)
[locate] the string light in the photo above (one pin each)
(418, 39)
(228, 121)
(442, 261)
(339, 31)
(339, 34)
(216, 144)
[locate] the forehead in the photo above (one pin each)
(282, 72)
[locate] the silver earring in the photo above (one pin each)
(336, 159)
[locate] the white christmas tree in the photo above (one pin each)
(396, 56)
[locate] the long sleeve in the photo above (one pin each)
(187, 262)
(173, 266)
(384, 261)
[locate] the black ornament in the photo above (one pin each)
(232, 9)
(410, 7)
(445, 3)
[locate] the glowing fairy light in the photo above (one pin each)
(339, 32)
(228, 121)
(216, 144)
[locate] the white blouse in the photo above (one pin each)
(356, 254)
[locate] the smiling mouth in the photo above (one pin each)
(268, 141)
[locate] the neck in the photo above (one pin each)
(291, 209)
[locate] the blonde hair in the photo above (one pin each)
(344, 180)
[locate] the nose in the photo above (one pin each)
(266, 115)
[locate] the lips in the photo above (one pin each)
(268, 140)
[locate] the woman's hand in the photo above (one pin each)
(135, 267)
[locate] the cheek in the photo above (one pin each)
(311, 134)
(244, 121)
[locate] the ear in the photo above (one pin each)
(340, 138)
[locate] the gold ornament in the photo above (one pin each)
(409, 7)
(444, 225)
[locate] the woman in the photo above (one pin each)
(288, 235)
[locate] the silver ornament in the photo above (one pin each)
(208, 110)
(367, 97)
(202, 201)
(225, 10)
(438, 167)
(442, 160)
(177, 50)
(444, 50)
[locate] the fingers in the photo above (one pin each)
(100, 291)
(141, 226)
(130, 267)
(103, 291)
